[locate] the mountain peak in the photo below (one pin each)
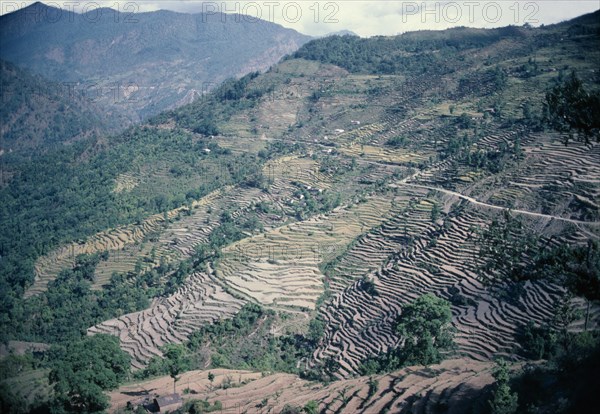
(103, 45)
(38, 6)
(341, 33)
(101, 10)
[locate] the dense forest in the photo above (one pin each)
(411, 53)
(38, 114)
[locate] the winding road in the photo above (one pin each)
(492, 206)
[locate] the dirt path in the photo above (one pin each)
(479, 203)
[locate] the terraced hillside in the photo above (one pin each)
(172, 236)
(454, 383)
(421, 166)
(393, 238)
(280, 267)
(171, 320)
(436, 259)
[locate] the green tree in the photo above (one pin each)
(435, 212)
(211, 378)
(86, 368)
(177, 361)
(465, 121)
(503, 400)
(368, 286)
(506, 248)
(570, 108)
(311, 407)
(425, 326)
(291, 409)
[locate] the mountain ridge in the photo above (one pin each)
(37, 114)
(162, 55)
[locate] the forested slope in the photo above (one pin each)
(38, 114)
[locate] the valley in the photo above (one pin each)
(262, 246)
(134, 66)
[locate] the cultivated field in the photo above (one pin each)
(454, 383)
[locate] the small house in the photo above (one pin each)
(163, 404)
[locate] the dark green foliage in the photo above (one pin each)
(577, 268)
(570, 108)
(311, 407)
(282, 147)
(291, 409)
(206, 127)
(511, 254)
(537, 342)
(10, 402)
(67, 195)
(408, 53)
(84, 369)
(503, 401)
(368, 286)
(70, 306)
(11, 365)
(499, 77)
(506, 248)
(37, 114)
(235, 90)
(425, 329)
(457, 299)
(204, 115)
(232, 345)
(242, 342)
(457, 144)
(465, 121)
(493, 160)
(568, 383)
(396, 142)
(176, 361)
(199, 407)
(326, 371)
(316, 329)
(435, 212)
(308, 203)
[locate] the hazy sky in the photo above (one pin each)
(364, 17)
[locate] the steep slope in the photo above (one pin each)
(38, 113)
(140, 64)
(454, 386)
(333, 196)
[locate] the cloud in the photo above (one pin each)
(364, 17)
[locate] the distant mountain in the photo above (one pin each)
(37, 113)
(341, 33)
(141, 64)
